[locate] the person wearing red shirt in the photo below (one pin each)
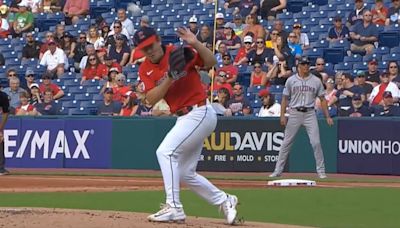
(230, 70)
(103, 69)
(258, 76)
(243, 51)
(179, 152)
(121, 89)
(129, 104)
(25, 108)
(57, 91)
(220, 82)
(90, 71)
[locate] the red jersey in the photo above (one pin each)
(187, 91)
(230, 70)
(119, 92)
(102, 69)
(90, 73)
(52, 86)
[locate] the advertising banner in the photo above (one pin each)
(58, 143)
(242, 145)
(367, 146)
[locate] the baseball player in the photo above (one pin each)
(169, 72)
(5, 110)
(301, 90)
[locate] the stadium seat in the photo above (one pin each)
(83, 97)
(256, 103)
(352, 58)
(70, 104)
(360, 66)
(345, 44)
(319, 14)
(381, 50)
(343, 66)
(334, 55)
(255, 89)
(276, 88)
(391, 57)
(389, 39)
(79, 111)
(320, 44)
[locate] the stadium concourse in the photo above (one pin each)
(255, 49)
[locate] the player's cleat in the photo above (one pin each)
(4, 172)
(229, 209)
(322, 175)
(275, 174)
(168, 214)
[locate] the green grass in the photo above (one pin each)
(320, 207)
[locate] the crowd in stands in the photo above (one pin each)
(254, 60)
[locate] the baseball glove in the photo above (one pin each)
(178, 59)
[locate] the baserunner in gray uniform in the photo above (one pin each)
(301, 90)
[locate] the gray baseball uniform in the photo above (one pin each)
(302, 93)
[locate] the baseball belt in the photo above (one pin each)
(185, 110)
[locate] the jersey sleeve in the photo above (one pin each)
(197, 60)
(320, 88)
(288, 87)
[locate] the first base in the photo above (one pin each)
(291, 183)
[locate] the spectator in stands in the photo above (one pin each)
(144, 108)
(117, 31)
(31, 50)
(230, 39)
(279, 73)
(80, 50)
(301, 36)
(57, 92)
(269, 107)
(294, 46)
(126, 23)
(120, 51)
(279, 27)
(344, 95)
(161, 108)
(94, 38)
(48, 106)
(364, 34)
(109, 107)
(221, 50)
(89, 49)
(105, 30)
(23, 21)
(54, 59)
(319, 69)
(338, 80)
(75, 10)
(144, 21)
(193, 25)
(388, 106)
(253, 27)
(338, 31)
(51, 6)
(357, 14)
(44, 47)
(372, 74)
(258, 76)
(367, 88)
(36, 96)
(101, 53)
(29, 78)
(227, 67)
(260, 54)
(103, 70)
(393, 14)
(25, 108)
(220, 104)
(129, 104)
(330, 93)
(68, 44)
(269, 9)
(358, 107)
(90, 72)
(273, 36)
(238, 105)
(243, 51)
(111, 79)
(283, 52)
(379, 13)
(13, 91)
(59, 33)
(238, 25)
(393, 70)
(220, 22)
(4, 26)
(11, 73)
(386, 85)
(205, 36)
(121, 88)
(220, 82)
(247, 7)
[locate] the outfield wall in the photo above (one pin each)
(238, 144)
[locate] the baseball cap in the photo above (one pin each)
(219, 16)
(373, 61)
(226, 54)
(144, 37)
(113, 69)
(228, 25)
(263, 93)
(29, 72)
(248, 39)
(23, 4)
(387, 94)
(357, 97)
(34, 85)
(237, 17)
(360, 73)
(304, 60)
(67, 34)
(145, 18)
(337, 18)
(193, 19)
(109, 90)
(3, 9)
(297, 25)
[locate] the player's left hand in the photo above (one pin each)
(329, 121)
(186, 35)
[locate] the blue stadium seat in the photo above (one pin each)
(320, 44)
(368, 58)
(319, 14)
(79, 111)
(340, 44)
(391, 57)
(381, 50)
(93, 89)
(360, 66)
(395, 50)
(256, 103)
(302, 15)
(285, 16)
(98, 97)
(388, 39)
(334, 55)
(328, 7)
(343, 66)
(83, 97)
(382, 66)
(278, 97)
(71, 82)
(276, 88)
(310, 8)
(352, 58)
(70, 104)
(255, 89)
(76, 89)
(295, 5)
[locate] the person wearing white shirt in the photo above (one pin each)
(269, 108)
(127, 24)
(386, 85)
(54, 59)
